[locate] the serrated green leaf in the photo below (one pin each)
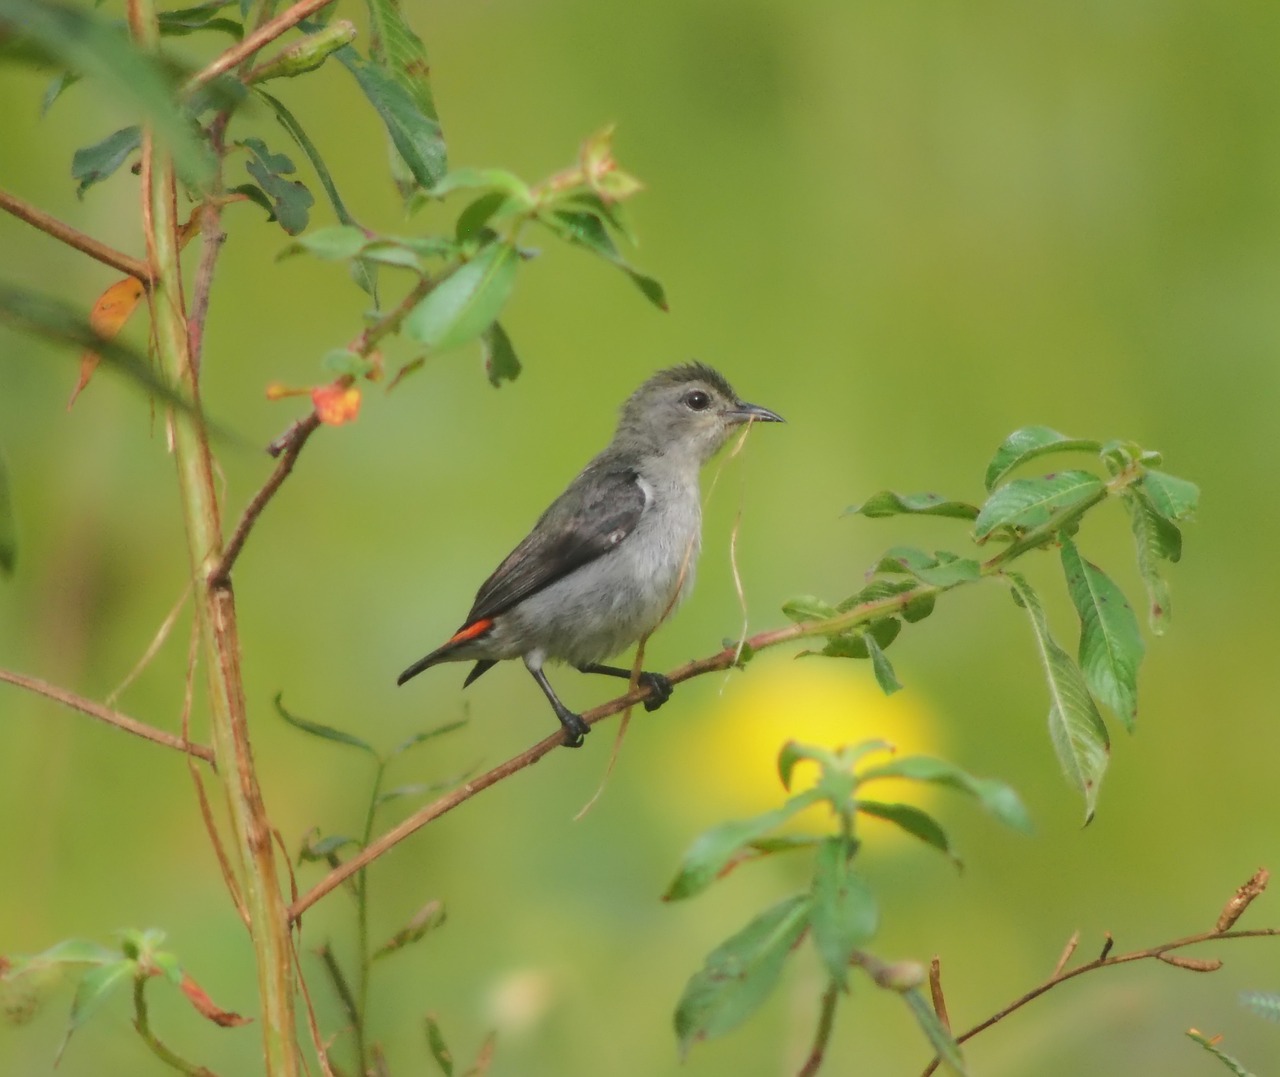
(100, 51)
(942, 1042)
(8, 526)
(587, 230)
(914, 821)
(500, 360)
(881, 666)
(93, 164)
(712, 851)
(318, 729)
(1075, 726)
(843, 913)
(1231, 1063)
(807, 608)
(996, 797)
(467, 302)
(415, 134)
(436, 1044)
(888, 503)
(1174, 498)
(1111, 646)
(291, 202)
(739, 974)
(95, 985)
(1027, 503)
(1154, 538)
(1028, 443)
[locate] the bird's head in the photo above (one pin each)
(686, 410)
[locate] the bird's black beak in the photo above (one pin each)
(745, 413)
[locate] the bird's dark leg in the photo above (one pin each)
(574, 727)
(660, 688)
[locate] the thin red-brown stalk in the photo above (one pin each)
(251, 43)
(59, 230)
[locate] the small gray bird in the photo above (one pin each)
(615, 553)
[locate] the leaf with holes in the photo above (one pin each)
(1111, 646)
(1075, 726)
(1027, 503)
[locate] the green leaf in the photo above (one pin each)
(1174, 498)
(426, 919)
(439, 1049)
(943, 1043)
(500, 360)
(1028, 443)
(335, 244)
(415, 134)
(1111, 647)
(466, 302)
(944, 570)
(95, 985)
(491, 180)
(324, 848)
(290, 200)
(807, 608)
(188, 20)
(881, 665)
(713, 851)
(887, 503)
(54, 320)
(857, 643)
(874, 591)
(1075, 726)
(914, 821)
(65, 952)
(316, 729)
(918, 608)
(399, 51)
(1233, 1064)
(843, 913)
(1154, 538)
(8, 527)
(1027, 503)
(478, 214)
(61, 82)
(586, 230)
(93, 164)
(996, 797)
(99, 50)
(739, 974)
(424, 735)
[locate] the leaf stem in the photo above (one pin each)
(142, 1024)
(826, 1021)
(59, 230)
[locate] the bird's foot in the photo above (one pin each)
(660, 689)
(574, 729)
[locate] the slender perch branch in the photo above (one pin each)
(106, 714)
(262, 36)
(60, 230)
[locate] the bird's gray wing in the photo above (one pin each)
(592, 517)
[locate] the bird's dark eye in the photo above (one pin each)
(698, 400)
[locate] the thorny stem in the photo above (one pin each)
(51, 226)
(826, 1021)
(142, 1024)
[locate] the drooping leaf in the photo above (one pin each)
(99, 50)
(207, 1008)
(881, 666)
(108, 316)
(739, 974)
(888, 503)
(1174, 498)
(318, 729)
(415, 134)
(500, 360)
(1027, 503)
(943, 1043)
(914, 821)
(436, 1044)
(424, 735)
(855, 644)
(95, 985)
(1111, 646)
(93, 164)
(8, 528)
(994, 795)
(587, 230)
(712, 851)
(1211, 1045)
(1075, 726)
(467, 302)
(290, 200)
(844, 913)
(1028, 443)
(1154, 539)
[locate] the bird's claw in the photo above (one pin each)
(574, 729)
(660, 689)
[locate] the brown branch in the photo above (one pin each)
(59, 230)
(106, 714)
(826, 1020)
(935, 992)
(290, 445)
(263, 35)
(212, 239)
(1159, 953)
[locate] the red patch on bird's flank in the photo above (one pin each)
(476, 628)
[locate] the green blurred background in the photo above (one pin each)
(910, 228)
